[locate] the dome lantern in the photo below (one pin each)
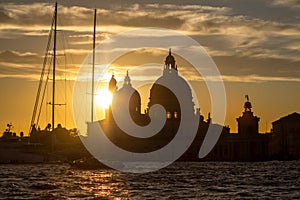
(127, 80)
(170, 61)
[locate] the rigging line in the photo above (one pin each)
(41, 77)
(43, 95)
(60, 83)
(70, 61)
(62, 41)
(65, 80)
(54, 64)
(46, 107)
(59, 92)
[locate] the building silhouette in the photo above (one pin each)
(247, 123)
(285, 137)
(282, 143)
(246, 145)
(159, 94)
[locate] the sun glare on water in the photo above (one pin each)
(103, 98)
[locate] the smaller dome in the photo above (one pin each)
(135, 99)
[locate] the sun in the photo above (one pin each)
(103, 98)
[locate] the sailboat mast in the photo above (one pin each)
(93, 70)
(54, 65)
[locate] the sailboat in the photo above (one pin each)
(30, 150)
(90, 162)
(58, 142)
(45, 72)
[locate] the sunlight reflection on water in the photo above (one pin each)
(180, 180)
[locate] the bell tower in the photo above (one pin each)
(112, 88)
(112, 85)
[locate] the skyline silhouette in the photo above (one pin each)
(123, 119)
(150, 99)
(128, 128)
(254, 60)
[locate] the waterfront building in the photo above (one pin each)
(246, 145)
(285, 137)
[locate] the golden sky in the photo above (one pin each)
(255, 45)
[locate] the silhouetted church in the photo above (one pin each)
(246, 145)
(159, 94)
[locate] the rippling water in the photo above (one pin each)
(180, 180)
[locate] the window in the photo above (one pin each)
(169, 115)
(175, 115)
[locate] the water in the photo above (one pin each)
(179, 181)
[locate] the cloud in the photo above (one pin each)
(28, 65)
(240, 44)
(257, 79)
(19, 71)
(265, 67)
(293, 4)
(42, 13)
(191, 7)
(20, 58)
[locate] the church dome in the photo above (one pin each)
(135, 98)
(162, 95)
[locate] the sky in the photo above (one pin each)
(255, 45)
